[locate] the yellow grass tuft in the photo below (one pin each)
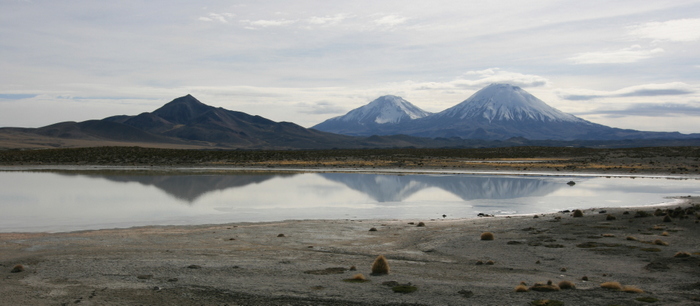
(521, 288)
(566, 285)
(660, 242)
(611, 285)
(487, 236)
(631, 238)
(632, 289)
(608, 235)
(664, 234)
(17, 269)
(682, 255)
(357, 278)
(549, 287)
(380, 266)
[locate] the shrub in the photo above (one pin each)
(566, 285)
(17, 269)
(487, 236)
(578, 213)
(380, 266)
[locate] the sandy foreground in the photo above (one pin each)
(287, 263)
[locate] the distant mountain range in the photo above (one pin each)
(188, 123)
(496, 116)
(496, 112)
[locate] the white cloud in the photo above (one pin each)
(214, 17)
(269, 23)
(496, 75)
(326, 20)
(680, 30)
(632, 54)
(390, 20)
(320, 108)
(645, 90)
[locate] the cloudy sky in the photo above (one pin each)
(628, 64)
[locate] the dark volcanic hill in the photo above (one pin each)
(499, 112)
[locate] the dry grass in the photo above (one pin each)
(611, 285)
(522, 287)
(17, 269)
(664, 234)
(682, 255)
(631, 238)
(487, 236)
(380, 266)
(608, 235)
(660, 242)
(548, 287)
(357, 278)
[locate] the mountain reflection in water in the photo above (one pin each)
(187, 187)
(396, 188)
(95, 199)
(379, 187)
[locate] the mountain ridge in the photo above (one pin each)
(391, 122)
(501, 112)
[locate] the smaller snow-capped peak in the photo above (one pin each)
(501, 102)
(385, 109)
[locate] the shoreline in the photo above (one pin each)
(252, 264)
(231, 169)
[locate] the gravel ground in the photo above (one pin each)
(287, 263)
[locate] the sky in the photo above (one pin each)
(628, 64)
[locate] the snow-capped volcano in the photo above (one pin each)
(502, 111)
(502, 102)
(369, 119)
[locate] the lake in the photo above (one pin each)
(57, 201)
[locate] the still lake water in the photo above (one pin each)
(69, 200)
